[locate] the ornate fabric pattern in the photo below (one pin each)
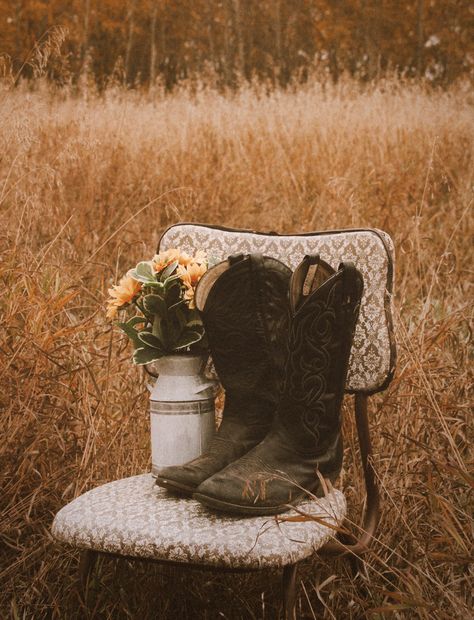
(373, 351)
(134, 517)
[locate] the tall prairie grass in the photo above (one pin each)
(87, 185)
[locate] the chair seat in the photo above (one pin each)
(134, 517)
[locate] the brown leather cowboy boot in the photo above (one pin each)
(243, 304)
(306, 436)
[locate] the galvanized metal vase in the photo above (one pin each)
(181, 410)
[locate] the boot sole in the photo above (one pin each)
(256, 511)
(175, 487)
(251, 511)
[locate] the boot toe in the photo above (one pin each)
(181, 479)
(254, 495)
(268, 480)
(217, 487)
(222, 493)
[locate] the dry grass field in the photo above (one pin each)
(88, 183)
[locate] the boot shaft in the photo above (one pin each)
(243, 304)
(324, 307)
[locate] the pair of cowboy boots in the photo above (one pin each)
(283, 373)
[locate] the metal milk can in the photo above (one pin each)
(182, 412)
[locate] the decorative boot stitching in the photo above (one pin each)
(314, 337)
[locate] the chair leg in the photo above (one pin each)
(86, 565)
(289, 591)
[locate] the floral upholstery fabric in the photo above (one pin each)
(134, 517)
(373, 351)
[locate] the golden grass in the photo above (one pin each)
(86, 186)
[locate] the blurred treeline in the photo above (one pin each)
(142, 41)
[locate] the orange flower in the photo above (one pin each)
(162, 260)
(200, 257)
(190, 276)
(122, 294)
(189, 297)
(196, 271)
(184, 275)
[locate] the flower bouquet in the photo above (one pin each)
(162, 290)
(168, 332)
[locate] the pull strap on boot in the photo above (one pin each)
(243, 304)
(306, 437)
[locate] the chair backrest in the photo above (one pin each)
(372, 361)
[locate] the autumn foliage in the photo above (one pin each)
(142, 41)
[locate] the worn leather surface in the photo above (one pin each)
(245, 316)
(306, 436)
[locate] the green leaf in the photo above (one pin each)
(131, 333)
(194, 320)
(167, 271)
(195, 324)
(173, 294)
(146, 355)
(169, 282)
(173, 333)
(187, 338)
(156, 327)
(135, 320)
(155, 285)
(181, 317)
(143, 272)
(155, 304)
(151, 341)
